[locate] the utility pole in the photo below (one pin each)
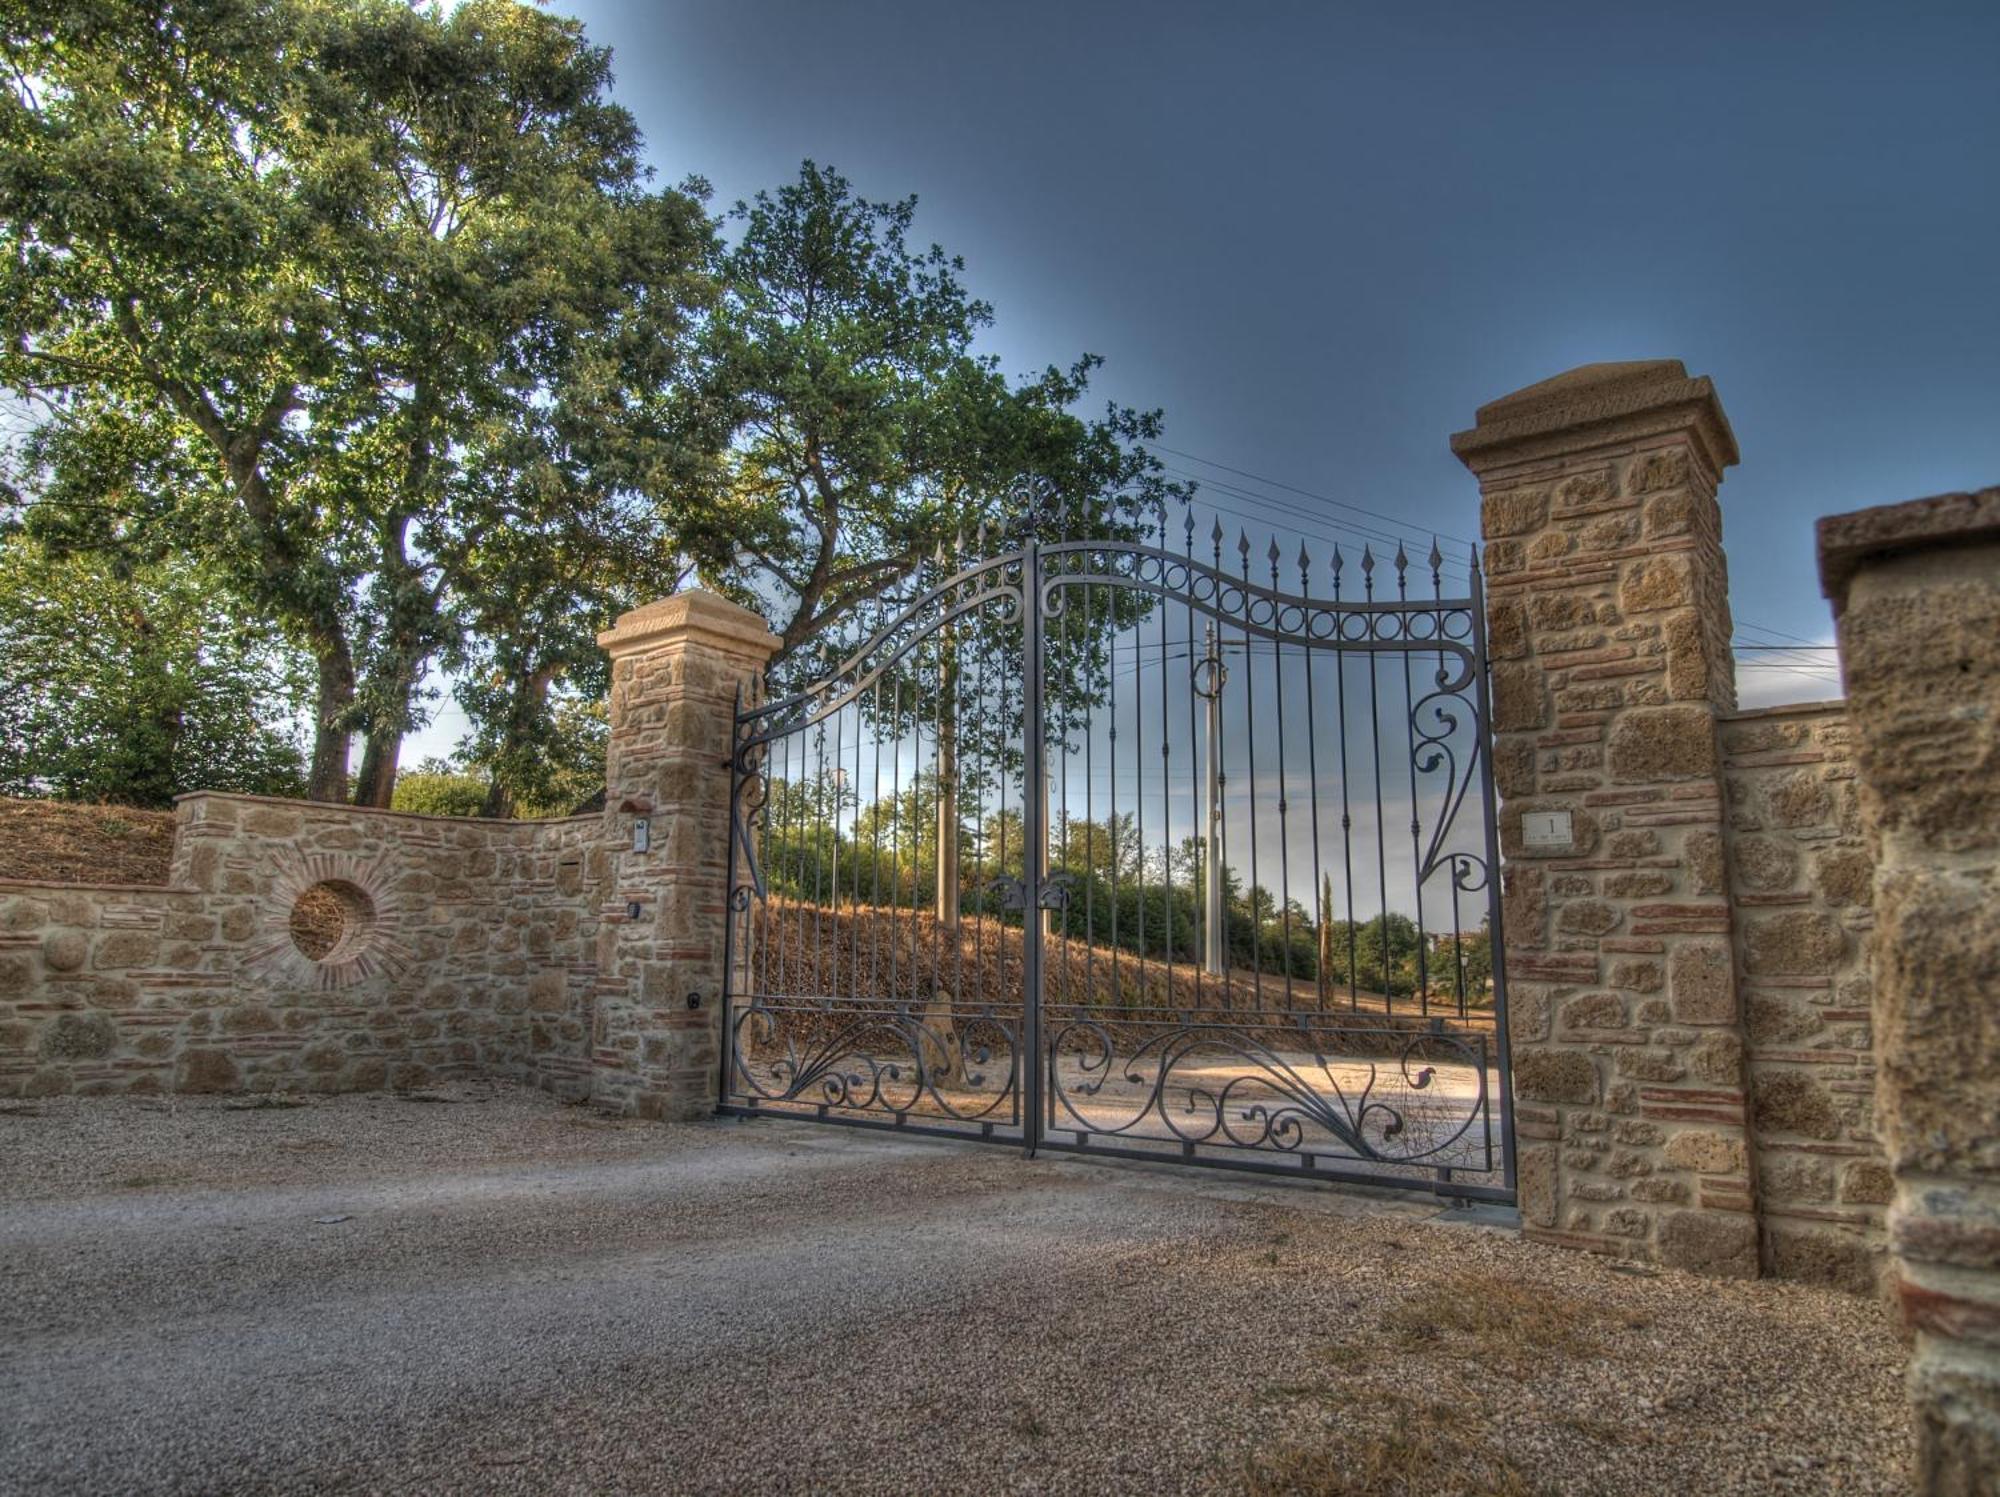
(1210, 675)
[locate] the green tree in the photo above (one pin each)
(867, 433)
(129, 684)
(319, 258)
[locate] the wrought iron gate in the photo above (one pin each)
(1106, 845)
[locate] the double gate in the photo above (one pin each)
(1148, 845)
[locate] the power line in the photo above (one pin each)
(1302, 493)
(1456, 568)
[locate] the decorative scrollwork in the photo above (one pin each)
(1405, 1098)
(1435, 626)
(892, 1059)
(1438, 730)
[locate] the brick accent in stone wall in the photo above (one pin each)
(1801, 877)
(1609, 627)
(468, 947)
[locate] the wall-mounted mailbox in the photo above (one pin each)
(642, 833)
(1548, 830)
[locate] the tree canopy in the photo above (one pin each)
(867, 432)
(355, 273)
(132, 684)
(366, 314)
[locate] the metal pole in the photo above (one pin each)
(1208, 686)
(1034, 836)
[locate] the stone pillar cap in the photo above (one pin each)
(687, 615)
(1848, 541)
(1594, 405)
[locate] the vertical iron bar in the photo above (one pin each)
(1061, 918)
(819, 861)
(1495, 936)
(1195, 812)
(1139, 790)
(833, 877)
(1322, 909)
(1166, 784)
(896, 848)
(1346, 806)
(1416, 821)
(875, 849)
(731, 915)
(854, 847)
(1250, 722)
(1220, 852)
(1111, 816)
(1381, 832)
(1284, 795)
(1034, 850)
(1089, 805)
(937, 823)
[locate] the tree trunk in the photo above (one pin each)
(947, 821)
(375, 785)
(499, 800)
(327, 779)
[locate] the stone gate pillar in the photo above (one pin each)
(1916, 595)
(676, 668)
(1609, 629)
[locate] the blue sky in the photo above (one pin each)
(1320, 235)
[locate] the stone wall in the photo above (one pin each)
(301, 946)
(1609, 626)
(1687, 952)
(1800, 874)
(1916, 597)
(465, 947)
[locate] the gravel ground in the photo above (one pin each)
(494, 1292)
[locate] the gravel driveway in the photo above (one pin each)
(492, 1291)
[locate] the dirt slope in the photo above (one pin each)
(58, 842)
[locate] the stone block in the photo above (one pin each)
(1792, 943)
(1721, 1243)
(1520, 697)
(1594, 1011)
(1705, 1152)
(1664, 468)
(1662, 743)
(1798, 799)
(1717, 1060)
(1582, 491)
(1793, 1102)
(1775, 1020)
(78, 1037)
(1591, 917)
(1653, 584)
(1828, 1255)
(1535, 1181)
(1794, 1178)
(1554, 1076)
(1637, 976)
(205, 1072)
(1513, 512)
(1701, 984)
(1867, 1182)
(1640, 885)
(1845, 876)
(1766, 864)
(1506, 630)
